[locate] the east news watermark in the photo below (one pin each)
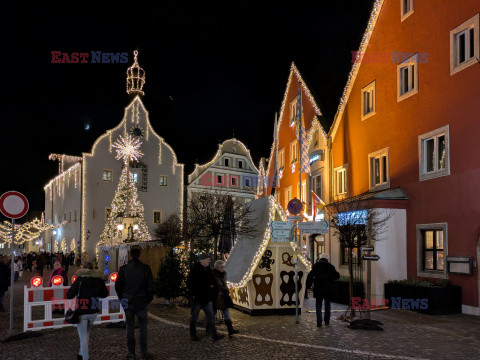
(92, 57)
(396, 303)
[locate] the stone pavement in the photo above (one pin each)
(406, 335)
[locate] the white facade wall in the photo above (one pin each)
(160, 160)
(63, 203)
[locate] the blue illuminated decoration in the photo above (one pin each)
(107, 258)
(314, 158)
(358, 217)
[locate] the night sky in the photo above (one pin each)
(213, 69)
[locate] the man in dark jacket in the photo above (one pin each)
(201, 284)
(4, 279)
(135, 284)
(322, 276)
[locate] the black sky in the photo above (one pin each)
(225, 65)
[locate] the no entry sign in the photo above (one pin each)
(13, 204)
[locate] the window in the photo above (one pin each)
(378, 165)
(464, 48)
(247, 182)
(407, 73)
(340, 181)
(163, 180)
(434, 157)
(227, 163)
(240, 164)
(407, 8)
(234, 180)
(431, 250)
(317, 185)
(219, 180)
(281, 158)
(294, 151)
(293, 110)
(134, 177)
(157, 217)
(107, 175)
(369, 101)
(108, 211)
(288, 195)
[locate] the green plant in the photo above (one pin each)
(170, 277)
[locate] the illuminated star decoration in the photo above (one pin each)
(128, 148)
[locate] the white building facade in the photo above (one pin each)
(86, 188)
(230, 172)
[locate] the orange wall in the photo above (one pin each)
(442, 99)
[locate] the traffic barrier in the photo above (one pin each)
(38, 295)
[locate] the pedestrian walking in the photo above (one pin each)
(222, 300)
(135, 285)
(58, 270)
(41, 261)
(89, 286)
(322, 277)
(66, 262)
(16, 269)
(4, 279)
(201, 284)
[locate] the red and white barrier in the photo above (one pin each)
(38, 295)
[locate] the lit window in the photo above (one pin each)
(340, 181)
(432, 248)
(293, 110)
(317, 185)
(434, 153)
(407, 8)
(281, 158)
(134, 177)
(163, 180)
(157, 217)
(294, 151)
(368, 101)
(107, 175)
(464, 45)
(379, 170)
(288, 195)
(407, 73)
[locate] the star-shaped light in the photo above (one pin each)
(128, 148)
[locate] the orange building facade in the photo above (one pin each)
(289, 155)
(409, 121)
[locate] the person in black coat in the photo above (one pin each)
(201, 284)
(90, 286)
(134, 287)
(322, 277)
(4, 279)
(222, 300)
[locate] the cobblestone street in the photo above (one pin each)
(406, 335)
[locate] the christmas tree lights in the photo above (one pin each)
(125, 204)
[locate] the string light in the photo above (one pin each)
(128, 149)
(273, 207)
(26, 232)
(135, 77)
(356, 65)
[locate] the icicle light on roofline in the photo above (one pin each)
(356, 64)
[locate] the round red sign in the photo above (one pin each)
(294, 206)
(13, 204)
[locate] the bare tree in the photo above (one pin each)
(210, 214)
(356, 222)
(169, 231)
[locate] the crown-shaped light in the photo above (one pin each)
(135, 77)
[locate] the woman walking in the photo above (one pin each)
(89, 284)
(222, 301)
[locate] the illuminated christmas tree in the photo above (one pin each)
(126, 221)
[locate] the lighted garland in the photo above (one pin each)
(26, 232)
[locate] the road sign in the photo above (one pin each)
(314, 227)
(281, 225)
(371, 257)
(13, 205)
(281, 233)
(295, 206)
(367, 248)
(295, 218)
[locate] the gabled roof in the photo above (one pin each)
(223, 148)
(377, 6)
